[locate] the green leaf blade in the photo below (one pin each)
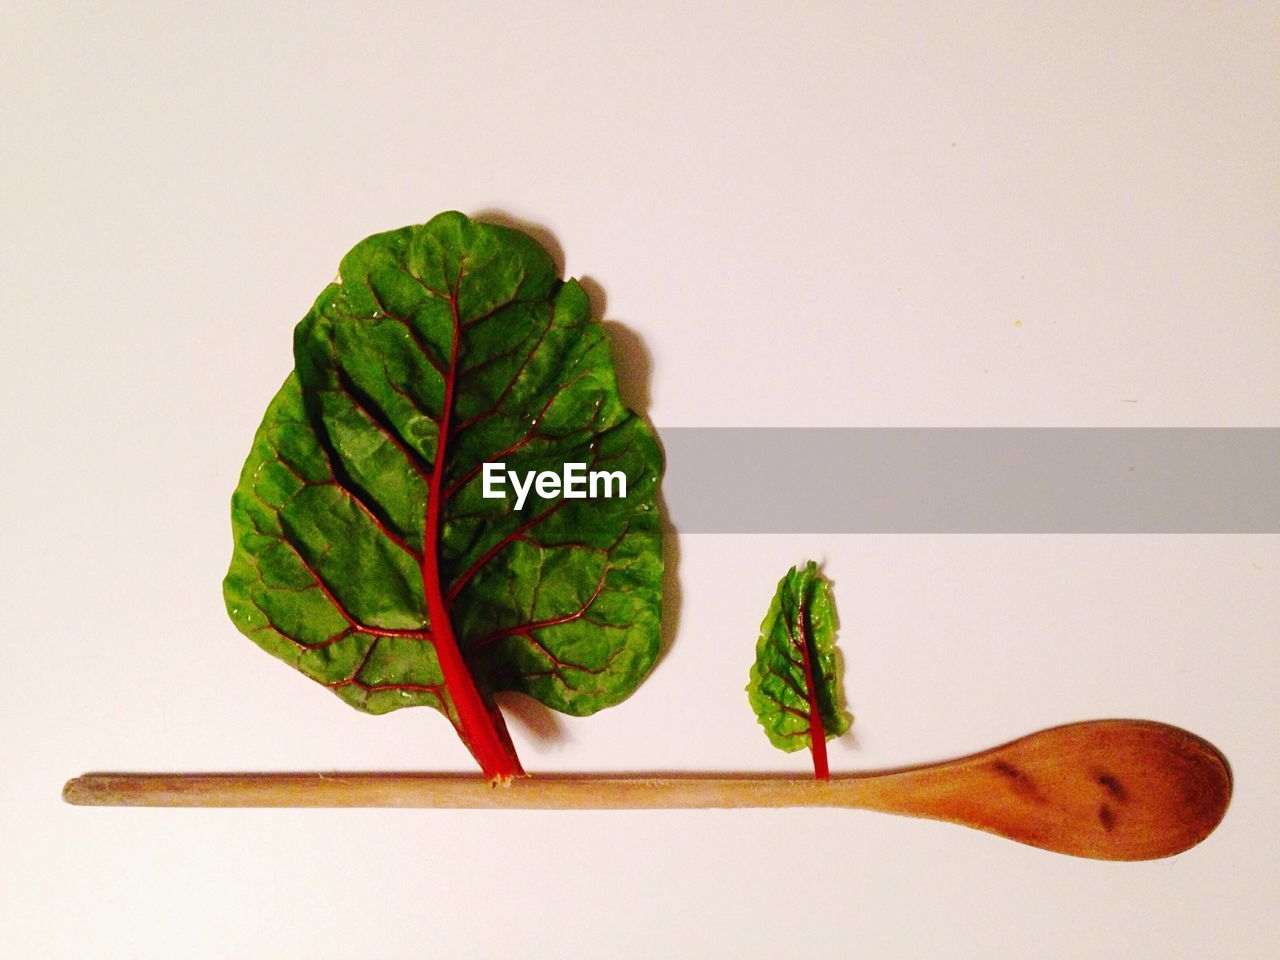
(455, 335)
(794, 684)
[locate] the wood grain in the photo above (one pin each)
(1105, 789)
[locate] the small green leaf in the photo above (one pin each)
(365, 554)
(795, 682)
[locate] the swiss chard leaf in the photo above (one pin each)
(795, 683)
(365, 554)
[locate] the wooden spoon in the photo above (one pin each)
(1106, 789)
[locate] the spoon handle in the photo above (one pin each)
(1107, 789)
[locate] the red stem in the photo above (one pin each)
(480, 723)
(817, 734)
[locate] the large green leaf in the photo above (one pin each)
(366, 556)
(794, 687)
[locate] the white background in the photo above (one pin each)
(804, 214)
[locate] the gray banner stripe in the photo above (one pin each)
(981, 480)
